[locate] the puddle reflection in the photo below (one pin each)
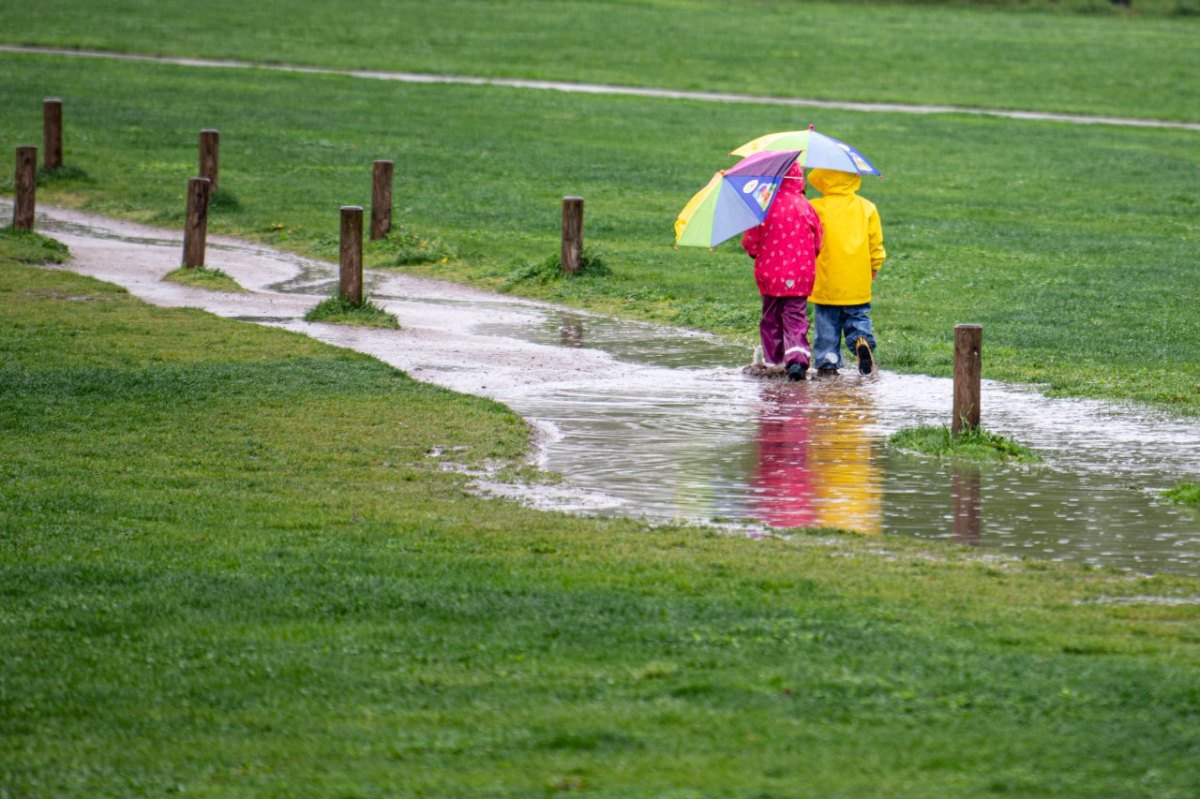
(967, 499)
(570, 331)
(816, 463)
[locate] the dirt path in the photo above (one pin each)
(437, 343)
(594, 88)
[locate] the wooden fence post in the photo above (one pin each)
(25, 185)
(195, 228)
(52, 137)
(572, 234)
(350, 255)
(210, 154)
(381, 200)
(968, 369)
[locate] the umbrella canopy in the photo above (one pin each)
(736, 199)
(818, 151)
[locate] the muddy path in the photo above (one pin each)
(664, 424)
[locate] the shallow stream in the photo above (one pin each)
(663, 424)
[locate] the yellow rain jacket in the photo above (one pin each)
(853, 247)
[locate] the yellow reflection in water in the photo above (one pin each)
(817, 464)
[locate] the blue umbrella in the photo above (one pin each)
(818, 151)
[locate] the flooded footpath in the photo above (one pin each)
(663, 424)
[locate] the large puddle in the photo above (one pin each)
(663, 424)
(700, 440)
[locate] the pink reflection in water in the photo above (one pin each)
(817, 464)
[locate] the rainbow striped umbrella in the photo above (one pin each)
(736, 199)
(819, 151)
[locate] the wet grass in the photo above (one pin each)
(403, 247)
(234, 564)
(972, 444)
(549, 270)
(1105, 60)
(1080, 285)
(1185, 493)
(204, 278)
(63, 174)
(340, 311)
(31, 247)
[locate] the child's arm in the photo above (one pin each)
(875, 242)
(751, 240)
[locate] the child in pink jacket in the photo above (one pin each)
(784, 248)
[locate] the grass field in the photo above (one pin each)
(232, 565)
(1073, 245)
(1003, 54)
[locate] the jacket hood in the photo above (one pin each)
(829, 181)
(793, 180)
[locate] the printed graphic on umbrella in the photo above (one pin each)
(819, 151)
(736, 199)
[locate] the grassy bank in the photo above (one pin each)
(1138, 62)
(1072, 245)
(233, 565)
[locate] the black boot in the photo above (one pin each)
(866, 364)
(797, 372)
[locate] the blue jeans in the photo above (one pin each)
(834, 321)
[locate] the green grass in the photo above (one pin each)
(973, 444)
(1109, 61)
(340, 311)
(1186, 493)
(232, 564)
(549, 271)
(402, 247)
(66, 173)
(31, 247)
(1071, 245)
(203, 277)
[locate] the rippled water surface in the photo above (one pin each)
(663, 424)
(703, 440)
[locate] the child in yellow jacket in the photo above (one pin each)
(851, 255)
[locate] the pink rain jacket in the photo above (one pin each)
(785, 246)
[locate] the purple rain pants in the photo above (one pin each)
(784, 331)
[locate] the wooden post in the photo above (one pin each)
(381, 200)
(572, 234)
(52, 139)
(195, 228)
(25, 184)
(210, 153)
(968, 369)
(350, 255)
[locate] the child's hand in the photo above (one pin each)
(873, 274)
